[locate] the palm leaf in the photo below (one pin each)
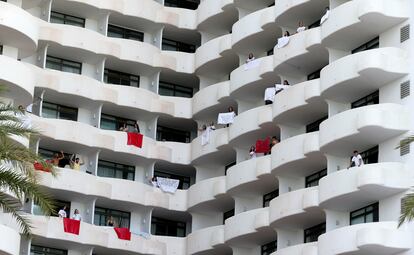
(12, 206)
(407, 209)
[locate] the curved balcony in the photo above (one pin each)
(362, 73)
(249, 84)
(300, 105)
(288, 12)
(298, 156)
(208, 192)
(368, 239)
(10, 243)
(300, 249)
(213, 13)
(217, 146)
(71, 181)
(147, 10)
(18, 28)
(86, 135)
(52, 228)
(211, 99)
(207, 241)
(365, 18)
(216, 56)
(257, 29)
(353, 188)
(250, 175)
(19, 87)
(249, 124)
(302, 55)
(362, 127)
(255, 226)
(296, 209)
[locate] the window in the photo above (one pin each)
(373, 44)
(269, 248)
(188, 4)
(315, 24)
(185, 181)
(269, 196)
(116, 170)
(63, 65)
(270, 52)
(228, 166)
(164, 227)
(172, 45)
(228, 214)
(119, 78)
(314, 126)
(55, 111)
(102, 215)
(1, 49)
(364, 215)
(59, 205)
(174, 135)
(61, 18)
(125, 33)
(109, 122)
(313, 179)
(311, 234)
(314, 75)
(366, 100)
(370, 156)
(170, 89)
(40, 250)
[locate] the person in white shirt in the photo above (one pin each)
(76, 215)
(252, 152)
(62, 212)
(250, 58)
(356, 160)
(301, 27)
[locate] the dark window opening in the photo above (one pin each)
(185, 181)
(366, 100)
(269, 248)
(172, 45)
(370, 156)
(173, 135)
(314, 75)
(228, 166)
(164, 227)
(313, 179)
(269, 196)
(270, 52)
(120, 78)
(228, 214)
(1, 49)
(315, 24)
(311, 234)
(314, 126)
(170, 89)
(373, 44)
(125, 33)
(61, 18)
(109, 122)
(55, 111)
(41, 250)
(115, 170)
(59, 205)
(63, 65)
(102, 215)
(188, 4)
(365, 215)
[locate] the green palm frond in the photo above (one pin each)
(12, 206)
(407, 209)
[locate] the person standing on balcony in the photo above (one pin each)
(62, 212)
(356, 160)
(273, 143)
(76, 215)
(252, 152)
(250, 58)
(136, 128)
(75, 163)
(301, 27)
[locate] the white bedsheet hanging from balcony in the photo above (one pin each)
(252, 64)
(226, 117)
(282, 42)
(168, 185)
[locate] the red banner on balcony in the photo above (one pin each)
(263, 146)
(135, 139)
(71, 226)
(123, 233)
(38, 166)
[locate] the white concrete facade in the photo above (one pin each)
(349, 77)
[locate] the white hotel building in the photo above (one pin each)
(90, 66)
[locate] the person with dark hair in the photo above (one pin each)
(356, 160)
(62, 212)
(124, 127)
(287, 34)
(136, 128)
(76, 215)
(250, 58)
(301, 27)
(63, 160)
(252, 152)
(75, 163)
